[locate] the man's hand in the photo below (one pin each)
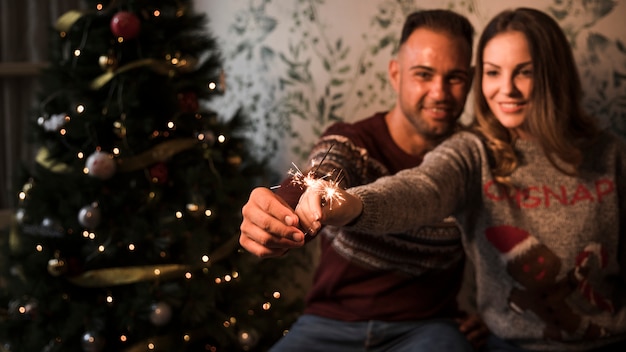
(474, 329)
(269, 227)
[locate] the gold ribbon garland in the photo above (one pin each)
(122, 276)
(104, 78)
(43, 159)
(163, 67)
(159, 153)
(160, 66)
(67, 20)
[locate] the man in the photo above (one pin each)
(397, 292)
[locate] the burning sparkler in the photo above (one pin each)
(324, 185)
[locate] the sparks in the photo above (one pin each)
(324, 185)
(329, 193)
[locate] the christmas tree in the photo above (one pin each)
(127, 224)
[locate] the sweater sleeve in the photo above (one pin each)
(445, 183)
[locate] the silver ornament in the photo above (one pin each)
(160, 314)
(89, 216)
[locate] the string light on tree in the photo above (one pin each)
(108, 62)
(57, 267)
(207, 137)
(24, 309)
(248, 339)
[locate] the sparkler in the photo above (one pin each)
(324, 185)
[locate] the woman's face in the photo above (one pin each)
(507, 79)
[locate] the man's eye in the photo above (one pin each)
(457, 80)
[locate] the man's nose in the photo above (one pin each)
(438, 88)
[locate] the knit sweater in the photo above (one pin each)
(409, 275)
(549, 256)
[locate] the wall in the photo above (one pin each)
(296, 66)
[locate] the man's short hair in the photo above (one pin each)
(440, 21)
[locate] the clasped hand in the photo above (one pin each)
(317, 207)
(270, 227)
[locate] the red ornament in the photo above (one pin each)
(188, 101)
(159, 173)
(125, 24)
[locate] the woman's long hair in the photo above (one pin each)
(555, 116)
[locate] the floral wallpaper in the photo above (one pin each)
(296, 66)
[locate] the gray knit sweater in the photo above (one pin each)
(549, 257)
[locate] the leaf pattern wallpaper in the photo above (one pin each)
(296, 66)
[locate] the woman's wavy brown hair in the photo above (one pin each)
(555, 116)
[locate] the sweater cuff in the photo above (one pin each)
(370, 219)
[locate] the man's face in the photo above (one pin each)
(432, 76)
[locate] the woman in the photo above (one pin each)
(538, 188)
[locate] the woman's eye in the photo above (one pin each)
(491, 73)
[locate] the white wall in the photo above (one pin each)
(274, 55)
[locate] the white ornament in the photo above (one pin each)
(53, 123)
(161, 313)
(47, 222)
(92, 342)
(20, 214)
(101, 165)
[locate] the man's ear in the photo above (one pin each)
(393, 72)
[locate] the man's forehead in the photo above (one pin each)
(434, 49)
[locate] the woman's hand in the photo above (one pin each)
(326, 204)
(475, 330)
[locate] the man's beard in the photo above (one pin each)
(435, 134)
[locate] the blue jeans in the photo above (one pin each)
(311, 333)
(495, 344)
